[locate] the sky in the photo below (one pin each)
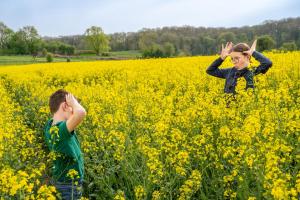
(73, 17)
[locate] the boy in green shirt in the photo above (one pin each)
(61, 139)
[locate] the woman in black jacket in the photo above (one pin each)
(240, 56)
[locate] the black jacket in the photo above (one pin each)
(232, 74)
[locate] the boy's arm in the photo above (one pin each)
(214, 70)
(77, 115)
(265, 63)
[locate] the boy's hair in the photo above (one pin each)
(56, 99)
(240, 47)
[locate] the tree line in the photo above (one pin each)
(160, 42)
(27, 41)
(282, 35)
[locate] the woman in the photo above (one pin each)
(240, 56)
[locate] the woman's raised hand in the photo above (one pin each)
(226, 51)
(252, 49)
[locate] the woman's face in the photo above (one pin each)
(239, 60)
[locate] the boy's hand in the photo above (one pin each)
(226, 51)
(70, 100)
(78, 113)
(252, 49)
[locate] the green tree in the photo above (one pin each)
(289, 46)
(147, 39)
(52, 46)
(25, 41)
(154, 51)
(32, 39)
(226, 37)
(17, 43)
(207, 45)
(97, 39)
(132, 41)
(49, 57)
(265, 42)
(5, 35)
(118, 41)
(168, 49)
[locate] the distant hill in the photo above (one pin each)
(197, 40)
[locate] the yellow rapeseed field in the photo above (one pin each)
(156, 129)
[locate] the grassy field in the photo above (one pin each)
(27, 59)
(126, 54)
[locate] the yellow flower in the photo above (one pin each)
(139, 192)
(119, 195)
(161, 125)
(72, 173)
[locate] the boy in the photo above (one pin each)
(61, 139)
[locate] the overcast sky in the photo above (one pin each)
(70, 17)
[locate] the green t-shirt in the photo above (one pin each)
(66, 148)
